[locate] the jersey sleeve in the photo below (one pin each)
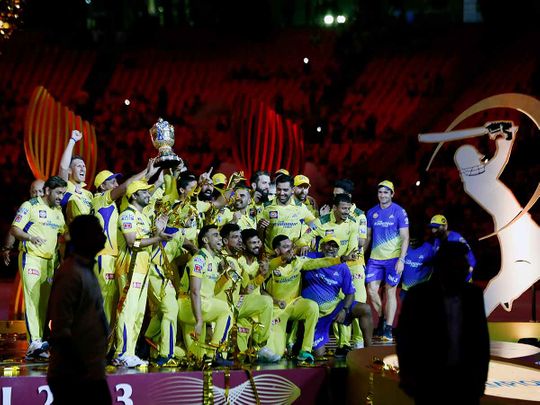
(362, 226)
(307, 214)
(23, 216)
(196, 266)
(313, 264)
(403, 219)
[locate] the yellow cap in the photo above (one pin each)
(283, 171)
(437, 221)
(301, 179)
(386, 183)
(137, 186)
(219, 178)
(330, 238)
(103, 176)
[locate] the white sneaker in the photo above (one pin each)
(134, 361)
(266, 355)
(37, 350)
(358, 345)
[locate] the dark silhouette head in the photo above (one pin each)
(451, 266)
(87, 236)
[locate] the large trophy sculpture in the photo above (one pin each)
(162, 134)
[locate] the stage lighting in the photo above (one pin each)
(341, 19)
(306, 60)
(328, 19)
(319, 129)
(417, 183)
(127, 102)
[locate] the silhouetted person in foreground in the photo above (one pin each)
(79, 328)
(442, 337)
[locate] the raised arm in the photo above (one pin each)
(65, 161)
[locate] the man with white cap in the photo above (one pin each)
(301, 193)
(439, 227)
(388, 230)
(132, 269)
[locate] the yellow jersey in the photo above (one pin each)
(38, 219)
(228, 280)
(346, 232)
(249, 274)
(77, 202)
(107, 213)
(204, 265)
(290, 220)
(247, 220)
(285, 279)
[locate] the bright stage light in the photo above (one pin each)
(319, 129)
(328, 19)
(341, 19)
(417, 183)
(306, 60)
(127, 102)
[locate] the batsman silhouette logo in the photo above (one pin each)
(517, 232)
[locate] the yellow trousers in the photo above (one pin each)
(343, 332)
(301, 309)
(36, 275)
(254, 307)
(164, 309)
(213, 310)
(104, 270)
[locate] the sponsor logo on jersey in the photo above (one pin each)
(136, 284)
(127, 225)
(33, 272)
(109, 276)
(329, 232)
(273, 214)
(197, 269)
(42, 214)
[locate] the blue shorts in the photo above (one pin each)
(377, 270)
(322, 329)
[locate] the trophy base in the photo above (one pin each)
(167, 161)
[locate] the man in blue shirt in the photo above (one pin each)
(324, 286)
(388, 230)
(418, 262)
(439, 227)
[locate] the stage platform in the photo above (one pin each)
(514, 378)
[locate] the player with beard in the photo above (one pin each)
(260, 184)
(77, 200)
(250, 306)
(198, 304)
(284, 216)
(243, 216)
(134, 250)
(37, 225)
(301, 193)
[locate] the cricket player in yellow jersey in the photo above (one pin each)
(249, 306)
(301, 193)
(244, 216)
(37, 225)
(135, 243)
(260, 184)
(200, 304)
(77, 200)
(283, 286)
(283, 216)
(104, 203)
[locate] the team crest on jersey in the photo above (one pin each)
(273, 214)
(197, 268)
(42, 214)
(375, 215)
(127, 225)
(18, 218)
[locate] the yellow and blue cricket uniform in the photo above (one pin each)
(203, 265)
(385, 224)
(284, 285)
(107, 213)
(417, 267)
(290, 220)
(76, 202)
(131, 314)
(36, 263)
